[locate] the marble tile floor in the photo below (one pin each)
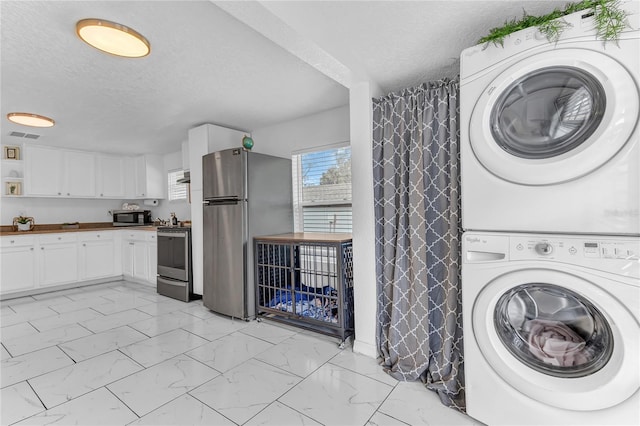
(120, 354)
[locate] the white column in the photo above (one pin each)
(361, 118)
(198, 146)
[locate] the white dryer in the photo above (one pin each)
(549, 132)
(551, 329)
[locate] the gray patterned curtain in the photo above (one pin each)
(418, 233)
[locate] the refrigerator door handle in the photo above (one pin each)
(221, 201)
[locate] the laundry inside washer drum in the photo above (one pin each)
(553, 330)
(548, 112)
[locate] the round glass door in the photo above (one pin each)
(553, 330)
(548, 112)
(552, 117)
(561, 339)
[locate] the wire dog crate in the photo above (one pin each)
(306, 279)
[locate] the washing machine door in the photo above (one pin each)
(558, 338)
(554, 117)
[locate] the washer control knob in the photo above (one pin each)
(544, 248)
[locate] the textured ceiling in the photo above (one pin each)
(243, 65)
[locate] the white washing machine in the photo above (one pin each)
(549, 132)
(551, 329)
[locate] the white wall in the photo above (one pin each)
(181, 208)
(325, 128)
(57, 210)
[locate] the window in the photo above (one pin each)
(322, 189)
(176, 191)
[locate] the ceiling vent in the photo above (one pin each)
(24, 135)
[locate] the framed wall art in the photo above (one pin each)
(13, 188)
(11, 153)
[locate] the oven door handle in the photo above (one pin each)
(172, 234)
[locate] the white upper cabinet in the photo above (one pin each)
(59, 173)
(149, 178)
(79, 174)
(110, 181)
(53, 172)
(43, 171)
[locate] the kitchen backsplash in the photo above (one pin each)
(56, 210)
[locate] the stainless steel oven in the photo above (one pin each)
(174, 263)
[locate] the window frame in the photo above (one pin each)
(171, 184)
(298, 204)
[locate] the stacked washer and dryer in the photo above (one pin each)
(550, 199)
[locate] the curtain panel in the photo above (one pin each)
(416, 172)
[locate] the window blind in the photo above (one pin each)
(322, 190)
(176, 191)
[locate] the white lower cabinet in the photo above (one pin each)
(139, 256)
(99, 255)
(140, 261)
(152, 256)
(18, 260)
(127, 258)
(37, 261)
(58, 259)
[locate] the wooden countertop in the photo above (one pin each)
(317, 237)
(83, 227)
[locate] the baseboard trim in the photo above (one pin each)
(364, 348)
(49, 289)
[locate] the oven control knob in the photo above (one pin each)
(544, 248)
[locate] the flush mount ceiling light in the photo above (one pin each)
(28, 119)
(113, 38)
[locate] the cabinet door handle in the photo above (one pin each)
(98, 235)
(131, 244)
(59, 238)
(13, 241)
(31, 249)
(41, 248)
(59, 193)
(68, 193)
(101, 195)
(84, 244)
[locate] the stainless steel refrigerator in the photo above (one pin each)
(245, 194)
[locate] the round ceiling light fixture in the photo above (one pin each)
(28, 119)
(113, 38)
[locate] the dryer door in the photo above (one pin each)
(554, 117)
(558, 338)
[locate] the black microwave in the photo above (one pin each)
(131, 217)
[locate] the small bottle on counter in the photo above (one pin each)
(174, 220)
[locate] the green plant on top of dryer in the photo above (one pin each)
(609, 18)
